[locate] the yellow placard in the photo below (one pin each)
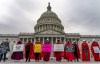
(37, 48)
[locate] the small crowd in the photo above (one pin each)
(69, 51)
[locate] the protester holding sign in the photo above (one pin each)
(4, 50)
(46, 47)
(77, 51)
(37, 48)
(17, 55)
(29, 51)
(68, 51)
(85, 51)
(38, 53)
(94, 53)
(58, 50)
(46, 53)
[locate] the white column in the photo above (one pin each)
(27, 39)
(43, 40)
(75, 40)
(31, 39)
(56, 27)
(41, 27)
(67, 39)
(34, 40)
(56, 39)
(52, 40)
(64, 40)
(52, 26)
(60, 40)
(23, 40)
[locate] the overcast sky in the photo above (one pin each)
(77, 16)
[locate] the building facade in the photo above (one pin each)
(49, 26)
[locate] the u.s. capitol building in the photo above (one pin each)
(48, 26)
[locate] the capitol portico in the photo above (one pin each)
(48, 26)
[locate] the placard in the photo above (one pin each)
(96, 49)
(70, 48)
(58, 47)
(18, 48)
(37, 48)
(46, 47)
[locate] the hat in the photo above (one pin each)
(93, 40)
(47, 39)
(84, 40)
(74, 41)
(38, 39)
(58, 39)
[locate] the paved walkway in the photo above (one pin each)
(49, 62)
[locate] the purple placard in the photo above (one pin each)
(46, 47)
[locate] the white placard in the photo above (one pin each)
(19, 47)
(58, 47)
(96, 49)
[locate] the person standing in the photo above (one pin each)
(38, 54)
(68, 52)
(96, 55)
(77, 51)
(17, 55)
(46, 55)
(85, 51)
(29, 51)
(58, 55)
(0, 53)
(5, 49)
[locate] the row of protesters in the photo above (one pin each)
(95, 49)
(71, 51)
(68, 52)
(29, 52)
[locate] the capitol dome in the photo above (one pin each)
(48, 21)
(49, 17)
(49, 14)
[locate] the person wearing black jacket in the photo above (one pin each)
(4, 50)
(27, 51)
(76, 51)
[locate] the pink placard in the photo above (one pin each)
(46, 47)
